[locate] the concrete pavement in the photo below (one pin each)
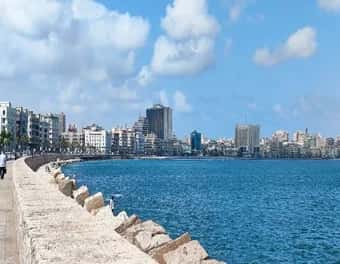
(8, 245)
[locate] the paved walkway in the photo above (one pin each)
(8, 247)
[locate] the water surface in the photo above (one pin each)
(241, 211)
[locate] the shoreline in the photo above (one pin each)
(151, 238)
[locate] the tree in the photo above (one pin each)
(6, 139)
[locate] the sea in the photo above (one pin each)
(241, 211)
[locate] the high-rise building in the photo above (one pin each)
(62, 123)
(8, 121)
(160, 121)
(54, 129)
(33, 130)
(247, 138)
(142, 125)
(21, 123)
(196, 141)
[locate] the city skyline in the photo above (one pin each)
(244, 62)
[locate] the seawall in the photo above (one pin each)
(57, 222)
(52, 228)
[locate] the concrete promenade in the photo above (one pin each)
(8, 245)
(54, 229)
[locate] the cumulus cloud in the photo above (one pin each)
(188, 44)
(330, 5)
(189, 19)
(301, 44)
(180, 102)
(74, 51)
(182, 58)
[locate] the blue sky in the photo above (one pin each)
(293, 86)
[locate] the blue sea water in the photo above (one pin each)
(242, 211)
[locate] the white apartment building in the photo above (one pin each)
(8, 120)
(124, 140)
(74, 139)
(97, 139)
(54, 129)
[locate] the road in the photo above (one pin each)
(8, 245)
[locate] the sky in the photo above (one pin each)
(215, 62)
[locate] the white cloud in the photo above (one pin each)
(145, 76)
(182, 58)
(301, 44)
(189, 19)
(188, 46)
(73, 53)
(181, 103)
(330, 5)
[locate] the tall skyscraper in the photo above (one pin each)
(195, 141)
(247, 138)
(160, 121)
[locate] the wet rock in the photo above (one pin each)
(191, 252)
(81, 194)
(158, 253)
(94, 202)
(66, 187)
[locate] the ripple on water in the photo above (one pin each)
(241, 211)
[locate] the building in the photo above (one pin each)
(44, 134)
(62, 123)
(160, 121)
(196, 141)
(73, 139)
(8, 122)
(299, 137)
(142, 125)
(54, 130)
(247, 138)
(124, 141)
(152, 145)
(21, 122)
(97, 140)
(280, 136)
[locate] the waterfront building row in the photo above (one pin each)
(28, 130)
